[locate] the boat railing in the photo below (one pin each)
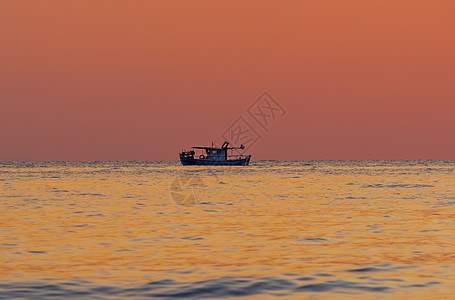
(238, 156)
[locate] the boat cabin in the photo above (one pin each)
(216, 153)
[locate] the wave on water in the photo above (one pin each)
(223, 287)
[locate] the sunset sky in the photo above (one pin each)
(140, 80)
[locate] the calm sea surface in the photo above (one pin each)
(284, 229)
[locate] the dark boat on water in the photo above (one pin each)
(214, 156)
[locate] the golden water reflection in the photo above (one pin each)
(378, 225)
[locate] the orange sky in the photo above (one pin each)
(140, 80)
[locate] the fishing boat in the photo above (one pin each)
(214, 156)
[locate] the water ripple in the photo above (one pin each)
(223, 287)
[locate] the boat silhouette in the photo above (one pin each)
(214, 156)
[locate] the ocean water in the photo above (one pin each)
(274, 229)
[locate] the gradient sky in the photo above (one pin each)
(140, 80)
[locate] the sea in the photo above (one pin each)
(271, 230)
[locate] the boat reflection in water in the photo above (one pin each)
(215, 156)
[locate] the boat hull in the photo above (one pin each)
(188, 161)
